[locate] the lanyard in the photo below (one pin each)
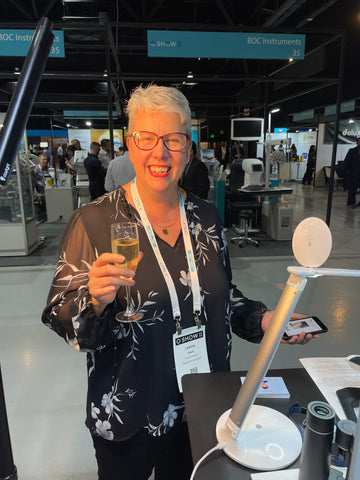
(195, 287)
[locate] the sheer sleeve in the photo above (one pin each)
(69, 309)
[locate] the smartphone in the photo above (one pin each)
(308, 325)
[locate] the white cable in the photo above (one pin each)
(219, 446)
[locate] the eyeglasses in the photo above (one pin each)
(175, 142)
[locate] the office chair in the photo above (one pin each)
(338, 181)
(244, 208)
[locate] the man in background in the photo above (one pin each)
(119, 172)
(105, 152)
(41, 172)
(352, 173)
(195, 178)
(96, 172)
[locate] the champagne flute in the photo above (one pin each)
(125, 241)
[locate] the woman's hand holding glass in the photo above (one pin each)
(106, 276)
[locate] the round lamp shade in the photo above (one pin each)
(312, 242)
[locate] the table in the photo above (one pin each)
(208, 395)
(265, 192)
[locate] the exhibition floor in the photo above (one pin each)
(45, 380)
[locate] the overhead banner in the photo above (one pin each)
(88, 113)
(305, 115)
(164, 43)
(344, 107)
(16, 43)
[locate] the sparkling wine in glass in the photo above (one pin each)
(125, 241)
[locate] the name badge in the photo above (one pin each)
(190, 352)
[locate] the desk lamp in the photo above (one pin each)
(259, 437)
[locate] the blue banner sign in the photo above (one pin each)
(344, 107)
(88, 113)
(164, 43)
(16, 43)
(305, 115)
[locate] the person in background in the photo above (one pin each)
(105, 152)
(222, 153)
(237, 150)
(48, 153)
(195, 178)
(69, 159)
(60, 150)
(119, 172)
(293, 153)
(352, 172)
(135, 408)
(41, 172)
(96, 172)
(76, 144)
(310, 167)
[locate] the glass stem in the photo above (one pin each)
(129, 309)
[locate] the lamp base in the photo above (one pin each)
(268, 440)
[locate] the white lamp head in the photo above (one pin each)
(312, 242)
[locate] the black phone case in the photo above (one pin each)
(324, 328)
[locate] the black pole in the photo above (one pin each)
(10, 136)
(110, 106)
(23, 98)
(336, 128)
(7, 467)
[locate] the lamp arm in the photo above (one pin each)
(268, 347)
(323, 272)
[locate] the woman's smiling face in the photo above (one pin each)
(158, 169)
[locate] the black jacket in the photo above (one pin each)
(196, 178)
(352, 163)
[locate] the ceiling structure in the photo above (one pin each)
(106, 49)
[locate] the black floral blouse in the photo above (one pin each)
(131, 373)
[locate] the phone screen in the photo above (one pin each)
(307, 325)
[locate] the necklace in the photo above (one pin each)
(164, 228)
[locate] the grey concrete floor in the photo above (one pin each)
(45, 380)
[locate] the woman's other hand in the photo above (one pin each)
(301, 339)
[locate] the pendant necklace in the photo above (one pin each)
(164, 228)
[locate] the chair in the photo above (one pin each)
(245, 209)
(248, 217)
(338, 181)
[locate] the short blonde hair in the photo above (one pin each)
(153, 98)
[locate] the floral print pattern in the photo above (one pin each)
(131, 371)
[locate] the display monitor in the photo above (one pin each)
(247, 129)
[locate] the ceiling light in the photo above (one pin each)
(275, 110)
(88, 123)
(190, 75)
(291, 60)
(105, 73)
(68, 125)
(351, 120)
(17, 71)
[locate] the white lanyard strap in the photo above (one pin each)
(195, 287)
(189, 255)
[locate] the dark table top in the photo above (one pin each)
(270, 191)
(208, 395)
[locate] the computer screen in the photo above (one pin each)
(247, 129)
